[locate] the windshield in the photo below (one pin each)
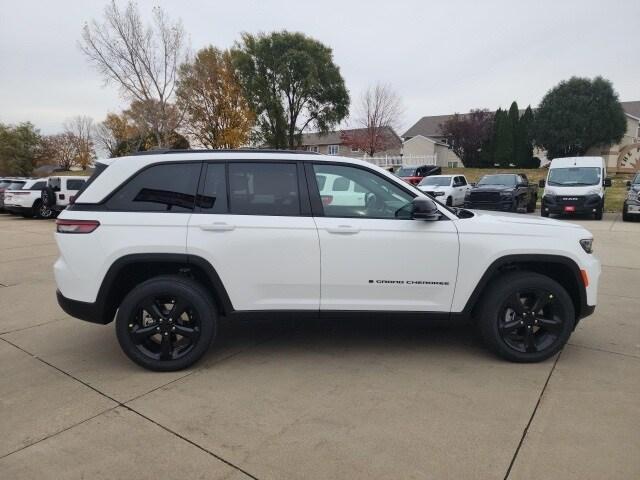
(574, 176)
(406, 172)
(508, 180)
(636, 179)
(15, 186)
(436, 181)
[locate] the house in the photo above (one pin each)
(333, 143)
(425, 138)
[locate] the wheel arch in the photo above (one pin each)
(561, 269)
(130, 270)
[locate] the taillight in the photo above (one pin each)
(76, 226)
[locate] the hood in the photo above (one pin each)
(487, 221)
(433, 187)
(492, 188)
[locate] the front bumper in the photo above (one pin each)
(564, 204)
(503, 205)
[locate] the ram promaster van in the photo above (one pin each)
(575, 185)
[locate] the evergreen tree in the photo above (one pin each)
(503, 155)
(525, 141)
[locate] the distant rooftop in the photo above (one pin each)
(430, 126)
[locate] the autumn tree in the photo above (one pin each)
(292, 84)
(466, 135)
(61, 149)
(142, 60)
(80, 129)
(217, 112)
(113, 131)
(377, 113)
(579, 114)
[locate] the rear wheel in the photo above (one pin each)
(40, 210)
(166, 323)
(526, 317)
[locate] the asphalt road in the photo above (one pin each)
(339, 400)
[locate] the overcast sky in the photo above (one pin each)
(440, 56)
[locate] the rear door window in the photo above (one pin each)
(167, 188)
(75, 184)
(264, 189)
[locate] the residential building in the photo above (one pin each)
(333, 143)
(425, 137)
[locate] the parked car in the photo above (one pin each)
(337, 190)
(169, 243)
(414, 174)
(60, 191)
(9, 184)
(448, 189)
(509, 192)
(575, 185)
(26, 201)
(631, 206)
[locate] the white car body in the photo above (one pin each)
(24, 201)
(571, 196)
(456, 188)
(65, 187)
(313, 263)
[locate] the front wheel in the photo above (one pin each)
(526, 317)
(598, 214)
(166, 323)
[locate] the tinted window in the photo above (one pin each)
(38, 185)
(74, 184)
(263, 189)
(161, 188)
(214, 193)
(372, 197)
(500, 179)
(462, 181)
(15, 185)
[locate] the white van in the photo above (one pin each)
(575, 185)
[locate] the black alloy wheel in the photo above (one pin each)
(530, 321)
(525, 316)
(166, 323)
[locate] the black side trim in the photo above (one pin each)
(583, 309)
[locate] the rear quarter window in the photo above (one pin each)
(168, 187)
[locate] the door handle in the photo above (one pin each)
(348, 229)
(217, 227)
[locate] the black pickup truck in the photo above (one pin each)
(508, 192)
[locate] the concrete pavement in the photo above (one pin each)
(315, 401)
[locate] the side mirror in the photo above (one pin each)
(542, 183)
(628, 184)
(423, 208)
(607, 182)
(473, 184)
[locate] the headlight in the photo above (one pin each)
(505, 194)
(593, 191)
(438, 194)
(587, 245)
(633, 195)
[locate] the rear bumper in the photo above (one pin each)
(585, 204)
(90, 312)
(19, 209)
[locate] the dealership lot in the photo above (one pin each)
(334, 400)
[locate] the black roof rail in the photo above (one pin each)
(162, 151)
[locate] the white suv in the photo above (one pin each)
(168, 243)
(26, 200)
(61, 191)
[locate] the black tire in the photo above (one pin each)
(543, 212)
(512, 325)
(449, 202)
(40, 210)
(181, 338)
(531, 207)
(625, 214)
(598, 214)
(48, 196)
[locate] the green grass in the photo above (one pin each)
(613, 200)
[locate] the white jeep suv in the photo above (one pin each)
(170, 242)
